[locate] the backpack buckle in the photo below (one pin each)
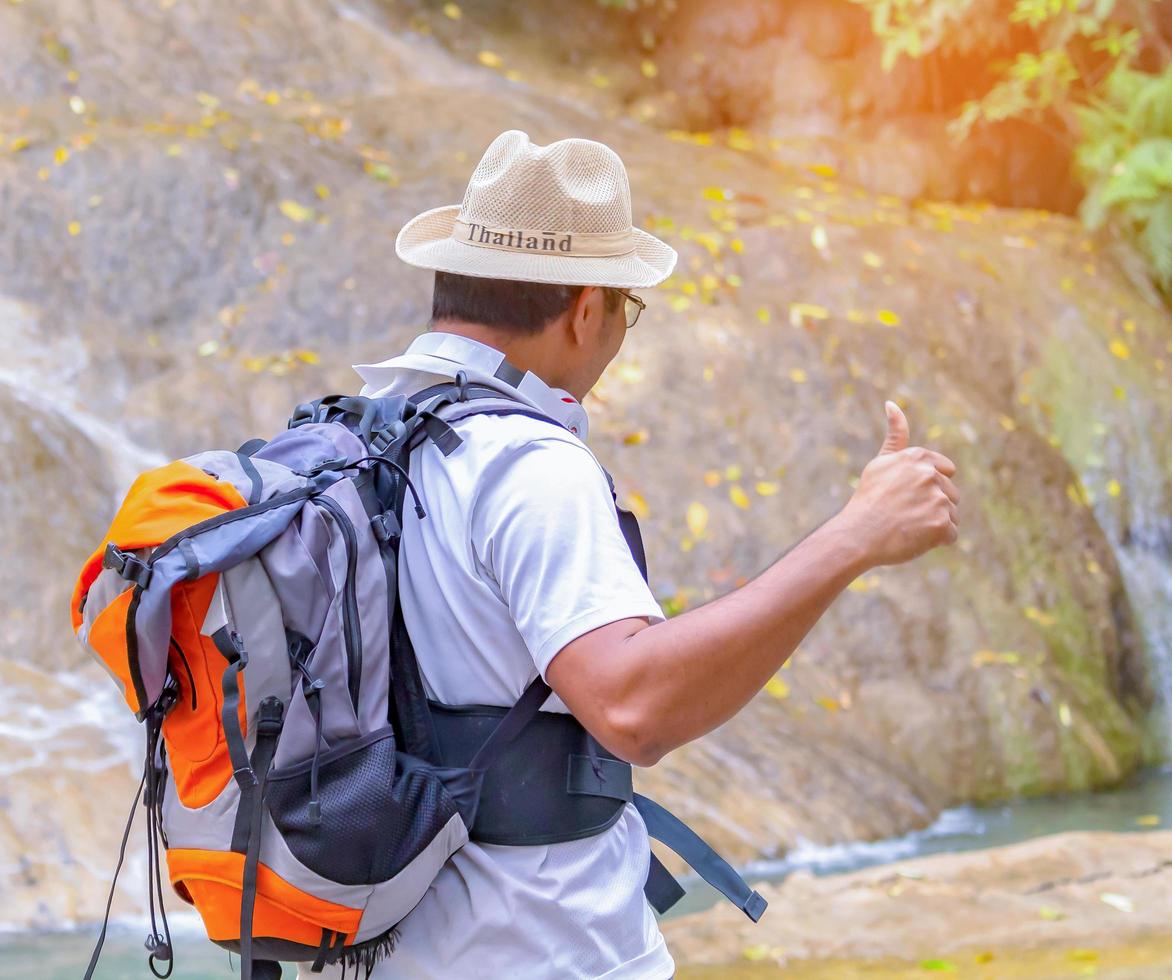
(385, 527)
(127, 565)
(270, 716)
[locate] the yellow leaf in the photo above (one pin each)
(637, 505)
(453, 11)
(717, 194)
(321, 191)
(296, 212)
(697, 519)
(872, 260)
(738, 139)
(1039, 617)
(983, 957)
(830, 704)
(1120, 349)
(1064, 715)
(679, 303)
(636, 438)
(864, 583)
(777, 687)
(797, 375)
(823, 170)
(738, 496)
(712, 478)
(737, 245)
(75, 227)
(806, 311)
(490, 59)
(1007, 423)
(709, 282)
(60, 155)
(306, 356)
(766, 489)
(984, 658)
(755, 952)
(889, 318)
(732, 473)
(19, 143)
(763, 314)
(1113, 488)
(1051, 914)
(1148, 820)
(648, 68)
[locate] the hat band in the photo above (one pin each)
(573, 243)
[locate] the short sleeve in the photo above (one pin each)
(544, 527)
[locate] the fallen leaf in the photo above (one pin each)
(777, 687)
(738, 496)
(1120, 349)
(938, 966)
(636, 438)
(490, 59)
(889, 318)
(637, 505)
(296, 212)
(765, 488)
(1148, 820)
(1117, 901)
(696, 518)
(453, 11)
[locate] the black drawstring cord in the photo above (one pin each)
(158, 946)
(419, 512)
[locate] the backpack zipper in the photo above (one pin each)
(350, 622)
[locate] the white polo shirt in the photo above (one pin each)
(519, 554)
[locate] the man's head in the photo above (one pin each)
(538, 257)
(566, 335)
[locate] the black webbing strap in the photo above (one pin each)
(509, 727)
(229, 644)
(714, 869)
(661, 888)
(270, 716)
(253, 475)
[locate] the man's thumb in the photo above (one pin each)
(897, 431)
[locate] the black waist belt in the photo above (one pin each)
(549, 782)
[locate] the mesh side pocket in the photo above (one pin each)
(379, 810)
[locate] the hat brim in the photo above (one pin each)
(426, 241)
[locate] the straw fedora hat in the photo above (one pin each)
(559, 214)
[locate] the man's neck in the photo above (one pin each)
(527, 352)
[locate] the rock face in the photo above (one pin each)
(200, 207)
(1067, 891)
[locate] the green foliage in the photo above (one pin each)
(1071, 62)
(1124, 159)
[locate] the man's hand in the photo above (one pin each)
(906, 503)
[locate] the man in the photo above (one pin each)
(520, 567)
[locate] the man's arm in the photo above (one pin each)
(644, 690)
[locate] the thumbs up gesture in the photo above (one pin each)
(906, 502)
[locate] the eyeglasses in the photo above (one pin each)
(633, 306)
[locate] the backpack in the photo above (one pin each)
(303, 788)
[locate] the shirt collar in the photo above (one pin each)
(443, 354)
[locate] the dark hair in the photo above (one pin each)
(507, 304)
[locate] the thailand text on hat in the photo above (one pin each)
(559, 214)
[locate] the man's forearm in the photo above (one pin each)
(693, 672)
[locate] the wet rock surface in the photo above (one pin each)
(1075, 892)
(200, 208)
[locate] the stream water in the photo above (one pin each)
(1144, 802)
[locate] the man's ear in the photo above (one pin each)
(586, 316)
